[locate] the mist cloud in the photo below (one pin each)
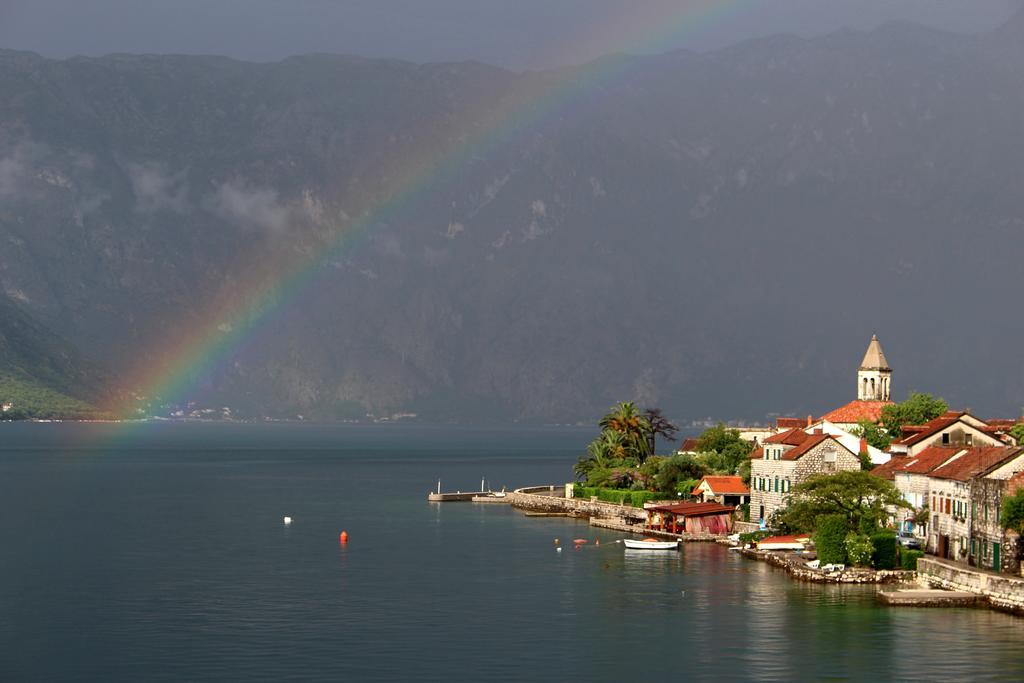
(157, 189)
(249, 207)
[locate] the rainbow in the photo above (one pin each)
(230, 321)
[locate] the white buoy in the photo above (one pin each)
(287, 521)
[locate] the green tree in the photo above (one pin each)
(676, 469)
(874, 434)
(1012, 512)
(727, 444)
(606, 450)
(626, 420)
(860, 496)
(1017, 432)
(916, 410)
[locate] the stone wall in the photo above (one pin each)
(577, 507)
(814, 462)
(798, 569)
(986, 500)
(772, 500)
(1002, 592)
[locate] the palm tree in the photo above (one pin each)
(600, 452)
(626, 420)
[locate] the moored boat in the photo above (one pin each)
(650, 544)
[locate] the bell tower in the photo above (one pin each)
(874, 377)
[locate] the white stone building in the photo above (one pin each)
(788, 459)
(949, 495)
(956, 429)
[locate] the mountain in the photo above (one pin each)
(718, 234)
(42, 375)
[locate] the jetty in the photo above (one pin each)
(930, 597)
(484, 495)
(457, 496)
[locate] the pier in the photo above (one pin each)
(457, 496)
(930, 597)
(484, 495)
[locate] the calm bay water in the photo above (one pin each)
(157, 552)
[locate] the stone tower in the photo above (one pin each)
(874, 378)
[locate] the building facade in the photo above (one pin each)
(788, 459)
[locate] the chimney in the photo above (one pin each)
(810, 420)
(863, 445)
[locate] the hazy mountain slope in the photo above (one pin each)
(719, 234)
(41, 374)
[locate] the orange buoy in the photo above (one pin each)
(556, 541)
(580, 541)
(343, 537)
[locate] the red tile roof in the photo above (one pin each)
(801, 440)
(930, 429)
(809, 443)
(793, 437)
(723, 484)
(855, 411)
(976, 461)
(795, 538)
(689, 445)
(927, 460)
(790, 423)
(694, 509)
(886, 469)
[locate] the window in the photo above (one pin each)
(985, 509)
(945, 438)
(776, 484)
(974, 548)
(948, 506)
(968, 439)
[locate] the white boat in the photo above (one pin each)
(650, 544)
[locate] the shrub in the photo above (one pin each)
(908, 559)
(611, 496)
(746, 512)
(619, 497)
(753, 537)
(883, 555)
(830, 539)
(585, 492)
(638, 498)
(859, 549)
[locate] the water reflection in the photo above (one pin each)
(172, 564)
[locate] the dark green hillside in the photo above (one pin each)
(41, 374)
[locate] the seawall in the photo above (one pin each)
(1002, 592)
(532, 499)
(798, 570)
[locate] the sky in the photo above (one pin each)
(518, 34)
